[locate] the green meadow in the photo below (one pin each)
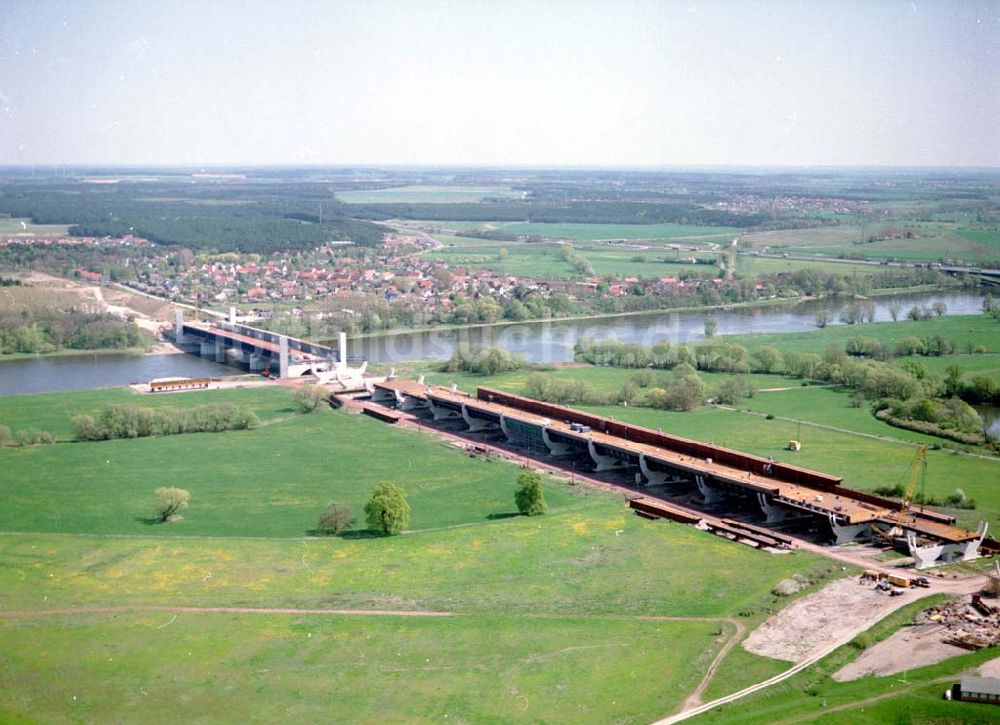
(554, 618)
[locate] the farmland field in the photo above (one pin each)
(593, 232)
(933, 241)
(25, 228)
(544, 260)
(427, 194)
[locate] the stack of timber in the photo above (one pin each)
(654, 508)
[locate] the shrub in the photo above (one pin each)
(309, 397)
(529, 496)
(169, 501)
(733, 390)
(387, 511)
(33, 437)
(335, 519)
(786, 588)
(131, 421)
(86, 428)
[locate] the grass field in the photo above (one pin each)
(650, 232)
(960, 329)
(228, 667)
(543, 260)
(934, 241)
(53, 412)
(551, 612)
(25, 227)
(427, 195)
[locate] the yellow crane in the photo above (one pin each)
(918, 467)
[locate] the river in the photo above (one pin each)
(79, 372)
(553, 341)
(540, 342)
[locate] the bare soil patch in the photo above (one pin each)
(820, 619)
(909, 648)
(991, 668)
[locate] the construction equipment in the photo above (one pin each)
(922, 581)
(899, 581)
(917, 472)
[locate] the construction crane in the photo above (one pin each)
(917, 471)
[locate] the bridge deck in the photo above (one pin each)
(233, 336)
(406, 387)
(838, 501)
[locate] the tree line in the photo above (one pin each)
(48, 330)
(131, 421)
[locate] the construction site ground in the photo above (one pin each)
(813, 622)
(910, 647)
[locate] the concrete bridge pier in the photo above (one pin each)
(711, 494)
(441, 413)
(844, 532)
(773, 512)
(214, 349)
(258, 362)
(283, 357)
(603, 463)
(476, 425)
(179, 328)
(925, 557)
(653, 478)
(556, 448)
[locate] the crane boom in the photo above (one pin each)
(919, 461)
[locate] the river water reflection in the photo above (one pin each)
(540, 342)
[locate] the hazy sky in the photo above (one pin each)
(501, 82)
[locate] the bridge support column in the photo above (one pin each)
(475, 424)
(654, 478)
(773, 512)
(179, 327)
(844, 532)
(258, 362)
(603, 463)
(711, 494)
(505, 428)
(440, 412)
(556, 448)
(214, 349)
(283, 357)
(925, 557)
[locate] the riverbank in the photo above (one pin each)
(597, 317)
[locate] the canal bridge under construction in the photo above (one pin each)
(781, 491)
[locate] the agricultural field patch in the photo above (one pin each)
(428, 194)
(592, 232)
(26, 228)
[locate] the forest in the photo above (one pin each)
(252, 218)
